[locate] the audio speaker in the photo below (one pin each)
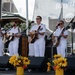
(4, 60)
(71, 62)
(4, 63)
(38, 63)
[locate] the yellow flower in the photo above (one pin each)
(19, 61)
(59, 62)
(55, 62)
(48, 64)
(57, 56)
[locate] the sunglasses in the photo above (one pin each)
(60, 23)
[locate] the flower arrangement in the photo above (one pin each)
(19, 61)
(59, 62)
(48, 67)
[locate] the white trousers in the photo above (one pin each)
(13, 47)
(39, 47)
(61, 48)
(1, 47)
(31, 49)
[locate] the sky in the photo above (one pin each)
(21, 7)
(51, 9)
(45, 8)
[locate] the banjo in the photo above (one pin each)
(57, 39)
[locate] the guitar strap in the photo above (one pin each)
(61, 32)
(18, 30)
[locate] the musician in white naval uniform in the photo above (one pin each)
(63, 40)
(39, 44)
(13, 45)
(1, 42)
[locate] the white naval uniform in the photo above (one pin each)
(63, 41)
(13, 45)
(1, 46)
(31, 46)
(39, 44)
(1, 43)
(31, 49)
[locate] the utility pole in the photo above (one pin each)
(0, 9)
(27, 16)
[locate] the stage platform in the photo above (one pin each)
(26, 73)
(35, 73)
(34, 66)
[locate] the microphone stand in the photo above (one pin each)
(72, 39)
(52, 44)
(72, 35)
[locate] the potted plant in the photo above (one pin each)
(59, 64)
(20, 63)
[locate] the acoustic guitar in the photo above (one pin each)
(8, 37)
(34, 35)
